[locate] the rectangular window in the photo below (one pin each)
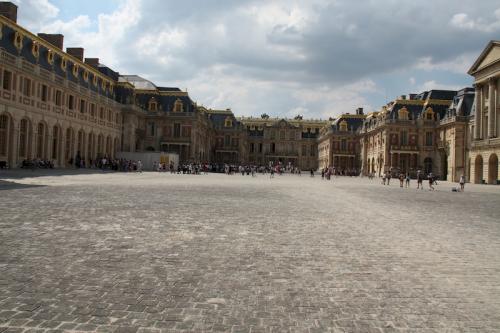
(252, 147)
(151, 128)
(83, 106)
(177, 130)
(227, 140)
(45, 93)
(71, 102)
(26, 87)
(234, 142)
(273, 147)
(313, 151)
(260, 147)
(404, 138)
(7, 80)
(58, 97)
(343, 145)
(101, 113)
(428, 139)
(92, 109)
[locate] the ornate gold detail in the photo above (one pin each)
(64, 63)
(1, 30)
(75, 70)
(103, 84)
(152, 105)
(403, 113)
(178, 105)
(429, 114)
(85, 76)
(18, 40)
(94, 80)
(343, 125)
(35, 49)
(50, 57)
(228, 122)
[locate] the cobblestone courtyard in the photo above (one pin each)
(169, 253)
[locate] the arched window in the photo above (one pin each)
(152, 105)
(4, 126)
(429, 114)
(343, 125)
(23, 138)
(55, 142)
(403, 113)
(40, 140)
(228, 122)
(178, 105)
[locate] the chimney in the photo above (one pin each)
(9, 10)
(76, 52)
(359, 111)
(54, 39)
(94, 62)
(412, 96)
(403, 97)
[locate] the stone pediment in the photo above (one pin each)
(489, 56)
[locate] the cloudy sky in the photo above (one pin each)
(318, 58)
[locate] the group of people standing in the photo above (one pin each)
(405, 178)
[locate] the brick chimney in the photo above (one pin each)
(94, 62)
(76, 52)
(54, 39)
(359, 111)
(9, 10)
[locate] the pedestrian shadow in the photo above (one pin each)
(7, 185)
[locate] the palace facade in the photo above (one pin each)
(58, 105)
(485, 126)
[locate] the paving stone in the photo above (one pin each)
(170, 253)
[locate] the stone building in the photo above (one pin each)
(230, 137)
(339, 143)
(287, 141)
(402, 136)
(454, 137)
(485, 146)
(54, 105)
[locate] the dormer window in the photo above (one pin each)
(50, 57)
(18, 40)
(228, 122)
(343, 126)
(64, 64)
(429, 114)
(403, 113)
(75, 70)
(35, 49)
(178, 105)
(85, 76)
(94, 80)
(152, 105)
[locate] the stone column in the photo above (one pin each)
(479, 111)
(491, 108)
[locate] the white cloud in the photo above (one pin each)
(463, 21)
(459, 64)
(429, 85)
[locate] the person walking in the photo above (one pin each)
(430, 177)
(420, 179)
(407, 180)
(401, 179)
(462, 183)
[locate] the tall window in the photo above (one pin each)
(252, 147)
(58, 97)
(82, 106)
(26, 87)
(404, 138)
(40, 135)
(313, 151)
(227, 140)
(71, 102)
(273, 147)
(55, 142)
(4, 122)
(151, 128)
(44, 93)
(177, 130)
(92, 110)
(343, 145)
(101, 113)
(7, 80)
(260, 147)
(428, 138)
(23, 137)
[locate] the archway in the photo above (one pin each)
(91, 148)
(444, 167)
(478, 170)
(493, 169)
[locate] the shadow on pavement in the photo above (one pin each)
(29, 173)
(6, 185)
